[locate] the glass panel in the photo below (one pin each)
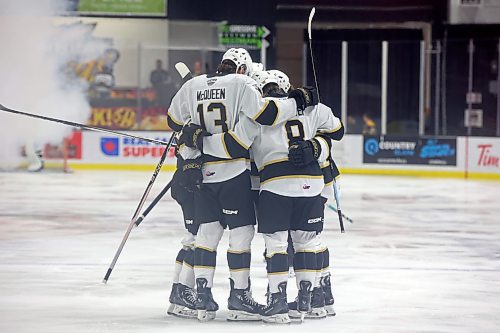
(485, 75)
(403, 87)
(364, 87)
(328, 64)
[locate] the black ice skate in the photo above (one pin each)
(317, 306)
(183, 301)
(327, 291)
(276, 310)
(241, 305)
(171, 298)
(304, 298)
(205, 303)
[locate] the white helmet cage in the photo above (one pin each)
(240, 57)
(283, 80)
(263, 77)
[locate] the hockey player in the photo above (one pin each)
(322, 298)
(289, 198)
(222, 192)
(183, 296)
(300, 153)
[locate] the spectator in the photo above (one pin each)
(197, 68)
(369, 125)
(161, 82)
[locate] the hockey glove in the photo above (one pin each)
(192, 136)
(192, 175)
(302, 153)
(304, 97)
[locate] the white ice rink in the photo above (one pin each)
(423, 255)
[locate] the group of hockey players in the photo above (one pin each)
(253, 150)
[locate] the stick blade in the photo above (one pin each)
(309, 23)
(183, 70)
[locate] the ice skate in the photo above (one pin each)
(317, 306)
(171, 298)
(327, 292)
(241, 305)
(276, 310)
(183, 301)
(205, 304)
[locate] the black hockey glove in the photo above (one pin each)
(192, 175)
(302, 153)
(192, 136)
(304, 96)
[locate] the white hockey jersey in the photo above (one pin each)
(216, 103)
(270, 150)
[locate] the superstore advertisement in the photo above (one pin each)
(105, 148)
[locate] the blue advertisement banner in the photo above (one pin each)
(409, 150)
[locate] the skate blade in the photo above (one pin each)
(318, 313)
(170, 309)
(204, 315)
(329, 310)
(294, 314)
(183, 312)
(281, 318)
(235, 315)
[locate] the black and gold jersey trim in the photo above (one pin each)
(285, 169)
(268, 114)
(173, 123)
(234, 148)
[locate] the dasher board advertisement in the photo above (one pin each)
(410, 150)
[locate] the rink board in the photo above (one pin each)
(462, 157)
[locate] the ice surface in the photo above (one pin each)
(423, 255)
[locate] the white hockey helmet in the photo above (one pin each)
(240, 57)
(257, 67)
(263, 77)
(283, 80)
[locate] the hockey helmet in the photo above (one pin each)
(263, 77)
(240, 57)
(257, 67)
(283, 80)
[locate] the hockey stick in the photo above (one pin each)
(153, 204)
(309, 23)
(337, 201)
(137, 210)
(347, 218)
(185, 73)
(82, 126)
(181, 67)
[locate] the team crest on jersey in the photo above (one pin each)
(306, 187)
(211, 81)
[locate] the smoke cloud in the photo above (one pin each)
(34, 75)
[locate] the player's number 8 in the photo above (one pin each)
(217, 122)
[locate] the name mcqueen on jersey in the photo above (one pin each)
(216, 93)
